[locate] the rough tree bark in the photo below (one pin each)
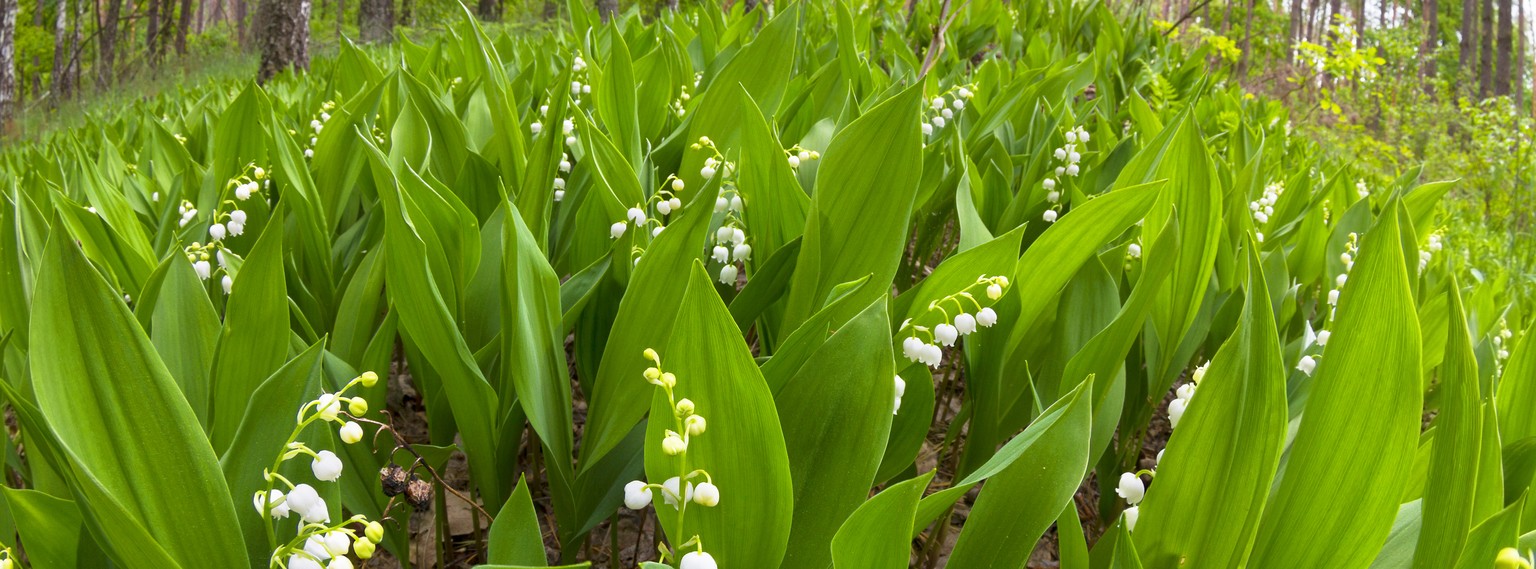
(108, 43)
(1506, 39)
(1485, 64)
(7, 60)
(1242, 61)
(1431, 43)
(1296, 25)
(376, 20)
(282, 32)
(606, 9)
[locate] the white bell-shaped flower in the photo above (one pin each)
(1176, 411)
(1072, 169)
(1185, 391)
(735, 203)
(351, 432)
(697, 560)
(216, 231)
(1306, 365)
(986, 317)
(228, 283)
(617, 229)
(319, 513)
(559, 195)
(721, 203)
(945, 334)
(938, 103)
(933, 355)
(728, 275)
(1322, 337)
(656, 231)
(720, 254)
(1049, 216)
(994, 291)
(280, 506)
(636, 215)
(203, 269)
(965, 323)
(337, 543)
(947, 114)
(1131, 514)
(1333, 297)
(678, 185)
(1131, 488)
(912, 348)
(301, 561)
(670, 495)
(938, 122)
(1134, 251)
(236, 228)
(927, 129)
(676, 203)
(1061, 154)
(302, 497)
(742, 252)
(339, 563)
(326, 466)
(636, 495)
(794, 161)
(664, 207)
(328, 406)
(707, 172)
(706, 494)
(536, 127)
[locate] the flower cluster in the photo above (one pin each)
(798, 155)
(1361, 189)
(677, 491)
(1502, 350)
(948, 330)
(663, 202)
(942, 110)
(679, 104)
(1133, 491)
(317, 540)
(1070, 158)
(1183, 394)
(578, 73)
(1432, 246)
(1264, 207)
(565, 170)
(318, 124)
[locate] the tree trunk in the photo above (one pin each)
(1242, 60)
(606, 9)
(152, 32)
(407, 13)
(183, 26)
(61, 51)
(1360, 23)
(1468, 48)
(1506, 39)
(1485, 65)
(1431, 43)
(282, 32)
(108, 44)
(489, 10)
(1296, 26)
(7, 61)
(376, 20)
(37, 62)
(242, 31)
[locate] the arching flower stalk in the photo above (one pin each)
(678, 491)
(943, 109)
(921, 343)
(318, 542)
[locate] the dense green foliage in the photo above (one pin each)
(691, 265)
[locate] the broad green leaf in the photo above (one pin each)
(877, 535)
(107, 393)
(515, 537)
(254, 340)
(1340, 455)
(743, 449)
(1222, 458)
(1451, 487)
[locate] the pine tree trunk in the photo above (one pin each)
(1485, 63)
(1431, 43)
(242, 31)
(606, 9)
(61, 51)
(282, 32)
(7, 61)
(1506, 39)
(1242, 61)
(108, 44)
(376, 20)
(1296, 26)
